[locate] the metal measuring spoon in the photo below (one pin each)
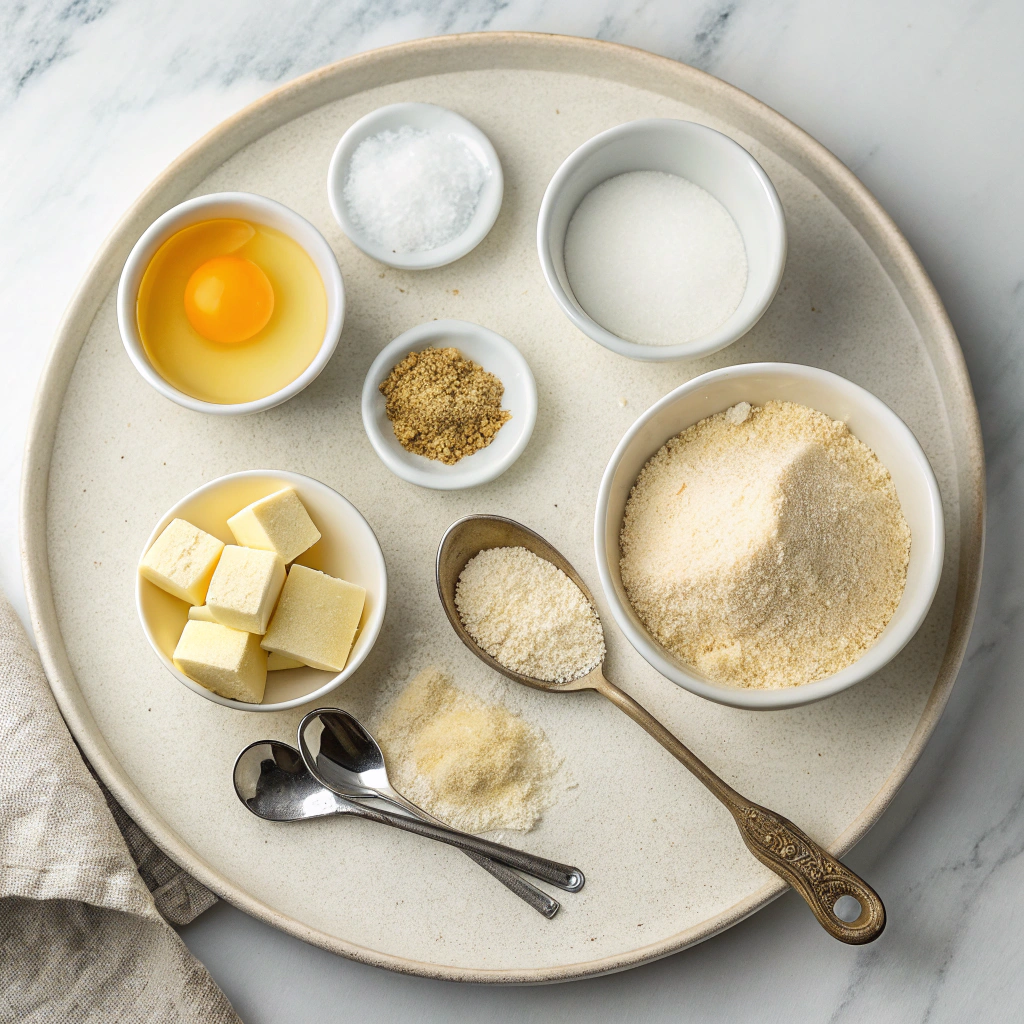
(353, 761)
(774, 840)
(272, 780)
(329, 773)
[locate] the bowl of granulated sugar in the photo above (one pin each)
(769, 534)
(662, 239)
(415, 185)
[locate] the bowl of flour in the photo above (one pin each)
(769, 534)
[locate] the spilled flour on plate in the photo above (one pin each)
(474, 765)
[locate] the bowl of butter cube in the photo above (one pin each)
(262, 590)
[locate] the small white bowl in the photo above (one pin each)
(425, 117)
(701, 155)
(348, 549)
(240, 206)
(495, 354)
(869, 419)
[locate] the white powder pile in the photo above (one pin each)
(765, 547)
(655, 259)
(474, 765)
(411, 190)
(527, 614)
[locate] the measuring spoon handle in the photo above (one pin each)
(562, 875)
(536, 898)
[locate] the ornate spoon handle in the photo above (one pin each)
(821, 879)
(774, 840)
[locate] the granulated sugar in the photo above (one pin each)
(527, 614)
(411, 190)
(765, 547)
(655, 259)
(474, 765)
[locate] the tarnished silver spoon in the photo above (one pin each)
(774, 840)
(353, 761)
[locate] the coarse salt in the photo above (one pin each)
(412, 190)
(655, 258)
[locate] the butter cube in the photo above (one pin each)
(245, 588)
(182, 560)
(278, 662)
(278, 522)
(316, 619)
(200, 613)
(224, 660)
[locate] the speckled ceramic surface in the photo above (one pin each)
(107, 455)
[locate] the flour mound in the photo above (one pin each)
(765, 547)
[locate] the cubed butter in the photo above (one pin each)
(182, 561)
(278, 523)
(224, 660)
(316, 619)
(245, 588)
(278, 662)
(200, 613)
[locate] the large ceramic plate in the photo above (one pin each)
(665, 866)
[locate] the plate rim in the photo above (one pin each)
(405, 62)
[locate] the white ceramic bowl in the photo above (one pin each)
(348, 548)
(425, 117)
(869, 419)
(242, 206)
(495, 354)
(701, 155)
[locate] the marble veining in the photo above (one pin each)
(923, 101)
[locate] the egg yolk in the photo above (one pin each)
(228, 299)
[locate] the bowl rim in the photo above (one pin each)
(372, 627)
(163, 228)
(462, 474)
(877, 656)
(483, 218)
(722, 336)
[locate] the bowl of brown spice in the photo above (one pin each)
(449, 404)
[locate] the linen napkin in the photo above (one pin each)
(82, 889)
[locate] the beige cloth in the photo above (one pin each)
(82, 938)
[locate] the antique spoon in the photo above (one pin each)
(354, 762)
(272, 780)
(774, 840)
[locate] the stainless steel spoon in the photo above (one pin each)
(272, 780)
(774, 840)
(352, 759)
(334, 776)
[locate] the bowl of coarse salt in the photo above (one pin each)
(415, 185)
(662, 239)
(768, 535)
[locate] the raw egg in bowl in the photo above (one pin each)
(230, 303)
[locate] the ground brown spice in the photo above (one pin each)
(443, 406)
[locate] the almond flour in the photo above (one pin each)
(472, 764)
(765, 547)
(527, 614)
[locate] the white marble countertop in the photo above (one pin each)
(925, 102)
